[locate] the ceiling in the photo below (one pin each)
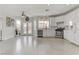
(34, 9)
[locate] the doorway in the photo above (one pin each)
(27, 28)
(23, 27)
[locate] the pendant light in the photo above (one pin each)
(26, 17)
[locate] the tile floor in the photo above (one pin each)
(29, 45)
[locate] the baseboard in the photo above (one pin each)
(72, 42)
(49, 36)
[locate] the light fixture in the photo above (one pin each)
(70, 23)
(23, 13)
(26, 17)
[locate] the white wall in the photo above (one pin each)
(0, 23)
(51, 31)
(7, 32)
(46, 32)
(0, 28)
(53, 22)
(71, 34)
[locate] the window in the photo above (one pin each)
(18, 24)
(43, 24)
